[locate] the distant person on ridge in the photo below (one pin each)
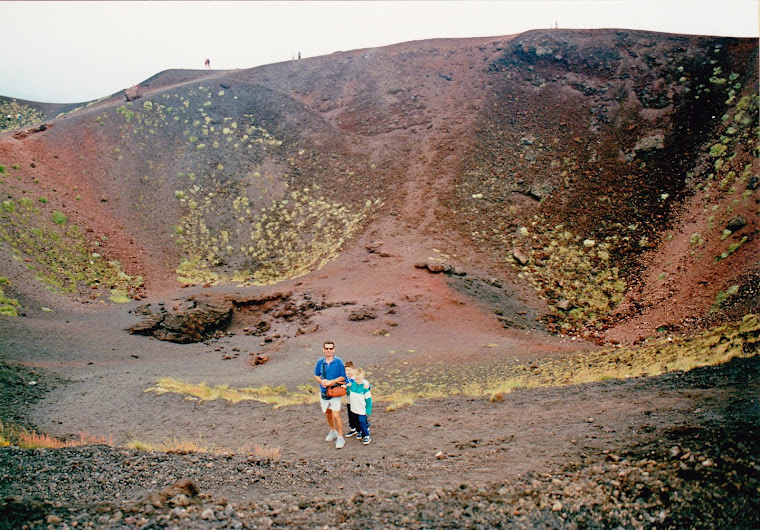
(207, 64)
(330, 371)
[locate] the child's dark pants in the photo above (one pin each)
(353, 419)
(363, 425)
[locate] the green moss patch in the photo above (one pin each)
(8, 306)
(576, 275)
(56, 251)
(287, 239)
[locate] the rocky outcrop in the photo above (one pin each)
(191, 321)
(365, 313)
(132, 93)
(436, 267)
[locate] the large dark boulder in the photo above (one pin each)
(191, 321)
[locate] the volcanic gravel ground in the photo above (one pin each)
(703, 473)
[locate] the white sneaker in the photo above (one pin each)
(332, 436)
(340, 443)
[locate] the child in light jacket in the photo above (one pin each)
(353, 421)
(360, 398)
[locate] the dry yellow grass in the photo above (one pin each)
(712, 347)
(25, 439)
(716, 346)
(270, 453)
(11, 435)
(177, 446)
(404, 398)
(278, 396)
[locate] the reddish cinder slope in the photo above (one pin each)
(494, 155)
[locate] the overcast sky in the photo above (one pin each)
(65, 52)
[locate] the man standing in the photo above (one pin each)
(330, 370)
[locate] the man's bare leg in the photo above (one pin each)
(337, 422)
(330, 421)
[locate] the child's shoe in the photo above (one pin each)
(366, 440)
(351, 433)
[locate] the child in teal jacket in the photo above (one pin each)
(360, 399)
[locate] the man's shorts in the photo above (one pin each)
(330, 403)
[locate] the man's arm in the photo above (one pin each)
(318, 373)
(331, 382)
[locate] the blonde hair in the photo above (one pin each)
(358, 373)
